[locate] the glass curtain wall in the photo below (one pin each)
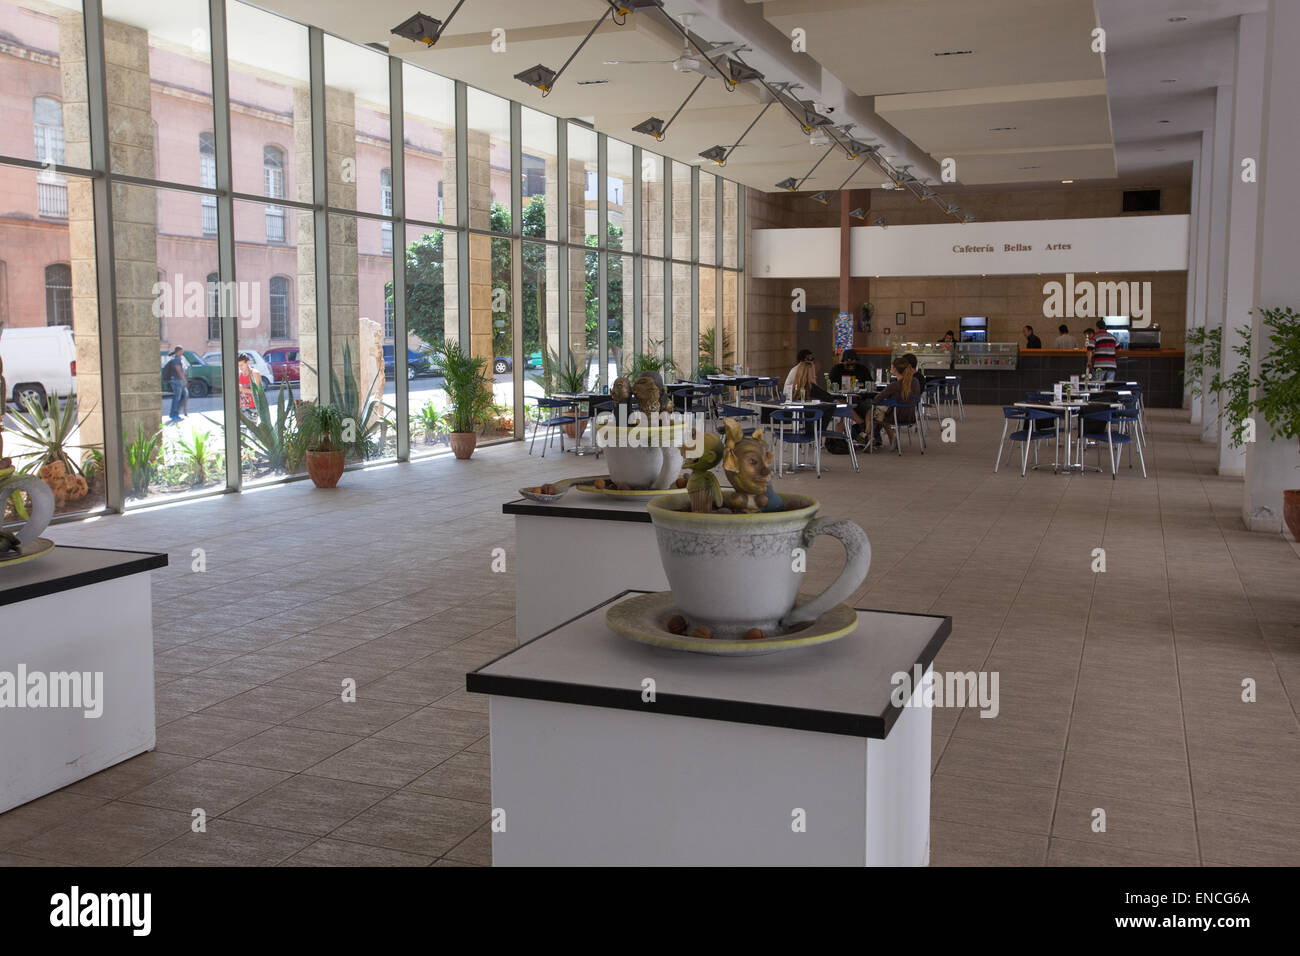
(254, 214)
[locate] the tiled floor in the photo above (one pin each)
(1119, 691)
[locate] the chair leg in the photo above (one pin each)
(1001, 443)
(533, 443)
(1024, 457)
(1142, 461)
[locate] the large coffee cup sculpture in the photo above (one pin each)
(36, 514)
(735, 570)
(641, 448)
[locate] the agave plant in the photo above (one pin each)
(49, 429)
(196, 450)
(363, 413)
(142, 457)
(271, 438)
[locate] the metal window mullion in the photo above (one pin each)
(320, 213)
(719, 316)
(563, 255)
(602, 257)
(105, 282)
(668, 258)
(637, 279)
(225, 242)
(516, 267)
(397, 188)
(740, 277)
(693, 346)
(462, 217)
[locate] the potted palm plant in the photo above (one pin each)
(321, 429)
(468, 395)
(1277, 392)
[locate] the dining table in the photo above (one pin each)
(1069, 412)
(590, 400)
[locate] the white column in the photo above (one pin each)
(1191, 320)
(1243, 209)
(1216, 277)
(1205, 175)
(1271, 465)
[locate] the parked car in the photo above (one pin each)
(503, 364)
(200, 378)
(416, 363)
(285, 366)
(255, 359)
(533, 360)
(39, 361)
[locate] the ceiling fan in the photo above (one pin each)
(690, 61)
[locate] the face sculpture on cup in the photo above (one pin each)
(748, 466)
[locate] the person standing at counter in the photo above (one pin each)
(1031, 340)
(1101, 353)
(948, 342)
(1065, 340)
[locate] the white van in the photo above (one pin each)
(39, 361)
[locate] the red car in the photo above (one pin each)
(284, 364)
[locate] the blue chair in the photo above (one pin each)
(1118, 423)
(737, 412)
(768, 388)
(797, 426)
(917, 423)
(950, 392)
(931, 397)
(551, 424)
(1030, 434)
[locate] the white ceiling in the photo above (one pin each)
(1030, 103)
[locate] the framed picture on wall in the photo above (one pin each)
(900, 319)
(918, 308)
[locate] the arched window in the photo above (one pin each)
(51, 186)
(273, 188)
(386, 207)
(279, 307)
(58, 294)
(214, 307)
(208, 179)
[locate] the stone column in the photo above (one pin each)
(479, 268)
(1216, 280)
(1243, 209)
(577, 265)
(341, 187)
(1271, 464)
(1204, 176)
(305, 243)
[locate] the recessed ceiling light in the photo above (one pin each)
(591, 82)
(1066, 182)
(1177, 19)
(1000, 129)
(954, 53)
(1162, 121)
(1168, 81)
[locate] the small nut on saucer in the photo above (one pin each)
(681, 482)
(676, 624)
(549, 489)
(754, 634)
(701, 630)
(599, 483)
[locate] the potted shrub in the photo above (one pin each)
(321, 428)
(468, 396)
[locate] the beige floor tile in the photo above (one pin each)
(308, 804)
(203, 734)
(1250, 841)
(1158, 828)
(992, 804)
(991, 759)
(115, 834)
(209, 785)
(227, 843)
(959, 844)
(286, 748)
(331, 852)
(385, 763)
(415, 823)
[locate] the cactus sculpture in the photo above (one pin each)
(702, 486)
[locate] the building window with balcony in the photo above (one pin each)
(51, 185)
(58, 294)
(386, 206)
(208, 179)
(279, 307)
(214, 311)
(273, 188)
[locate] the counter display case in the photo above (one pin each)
(987, 355)
(928, 357)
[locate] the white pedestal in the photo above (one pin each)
(85, 610)
(576, 553)
(727, 760)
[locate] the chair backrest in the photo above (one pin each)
(796, 416)
(735, 411)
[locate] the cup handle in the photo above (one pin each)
(856, 564)
(41, 509)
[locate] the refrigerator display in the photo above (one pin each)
(987, 355)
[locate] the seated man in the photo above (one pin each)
(850, 366)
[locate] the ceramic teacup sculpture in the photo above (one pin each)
(35, 519)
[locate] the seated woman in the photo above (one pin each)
(801, 383)
(904, 387)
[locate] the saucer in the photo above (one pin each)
(26, 552)
(644, 619)
(587, 487)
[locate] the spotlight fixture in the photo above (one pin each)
(423, 28)
(967, 217)
(793, 184)
(858, 213)
(879, 221)
(789, 183)
(1066, 182)
(741, 72)
(538, 76)
(654, 126)
(822, 197)
(717, 154)
(542, 77)
(952, 209)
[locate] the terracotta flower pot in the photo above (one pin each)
(462, 443)
(325, 467)
(575, 431)
(1291, 511)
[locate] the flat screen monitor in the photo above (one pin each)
(974, 328)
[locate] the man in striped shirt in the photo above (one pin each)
(1101, 353)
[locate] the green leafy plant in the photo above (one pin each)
(1277, 386)
(653, 360)
(272, 439)
(713, 354)
(196, 450)
(92, 463)
(48, 429)
(430, 419)
(142, 457)
(321, 427)
(1233, 391)
(364, 410)
(1203, 354)
(468, 394)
